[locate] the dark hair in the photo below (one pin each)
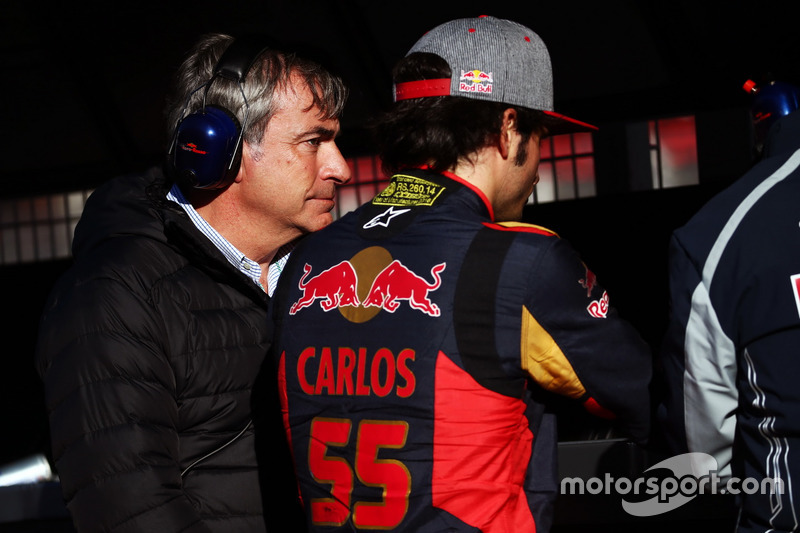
(440, 131)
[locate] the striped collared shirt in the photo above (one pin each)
(248, 267)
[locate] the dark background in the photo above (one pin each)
(84, 82)
(84, 87)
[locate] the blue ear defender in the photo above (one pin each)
(771, 102)
(206, 147)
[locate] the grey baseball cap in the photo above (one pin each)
(491, 59)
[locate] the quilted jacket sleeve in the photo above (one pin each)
(110, 395)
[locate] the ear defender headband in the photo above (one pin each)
(207, 146)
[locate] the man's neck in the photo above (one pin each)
(481, 172)
(252, 236)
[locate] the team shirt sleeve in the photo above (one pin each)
(698, 365)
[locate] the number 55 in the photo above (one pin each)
(391, 475)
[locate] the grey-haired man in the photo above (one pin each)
(150, 345)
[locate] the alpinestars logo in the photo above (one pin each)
(384, 218)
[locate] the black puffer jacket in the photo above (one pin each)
(149, 349)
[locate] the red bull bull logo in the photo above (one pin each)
(335, 286)
(338, 287)
(475, 81)
(397, 282)
(588, 282)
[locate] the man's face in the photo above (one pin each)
(518, 185)
(289, 180)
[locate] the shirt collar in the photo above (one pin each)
(245, 265)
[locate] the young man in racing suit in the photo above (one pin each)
(419, 338)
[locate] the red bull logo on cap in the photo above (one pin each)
(338, 287)
(475, 81)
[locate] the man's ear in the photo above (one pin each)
(508, 132)
(244, 161)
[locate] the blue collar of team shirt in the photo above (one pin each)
(246, 266)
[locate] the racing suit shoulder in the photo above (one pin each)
(522, 227)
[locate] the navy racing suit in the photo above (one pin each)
(418, 342)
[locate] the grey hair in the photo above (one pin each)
(270, 73)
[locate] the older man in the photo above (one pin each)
(150, 345)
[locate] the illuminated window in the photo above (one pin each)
(39, 228)
(673, 152)
(566, 169)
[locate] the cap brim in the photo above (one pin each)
(558, 124)
(555, 122)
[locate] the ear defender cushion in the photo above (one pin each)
(206, 153)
